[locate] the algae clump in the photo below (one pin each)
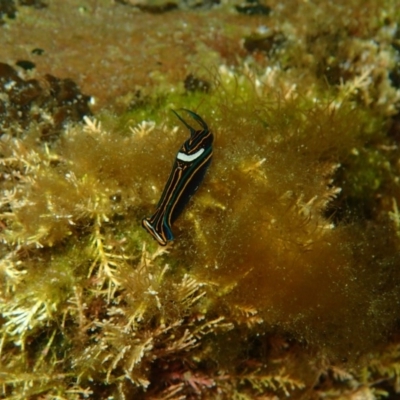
(283, 279)
(89, 293)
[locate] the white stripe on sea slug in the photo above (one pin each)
(191, 157)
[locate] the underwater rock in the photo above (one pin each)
(37, 51)
(253, 7)
(38, 4)
(267, 43)
(51, 102)
(192, 83)
(8, 9)
(25, 64)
